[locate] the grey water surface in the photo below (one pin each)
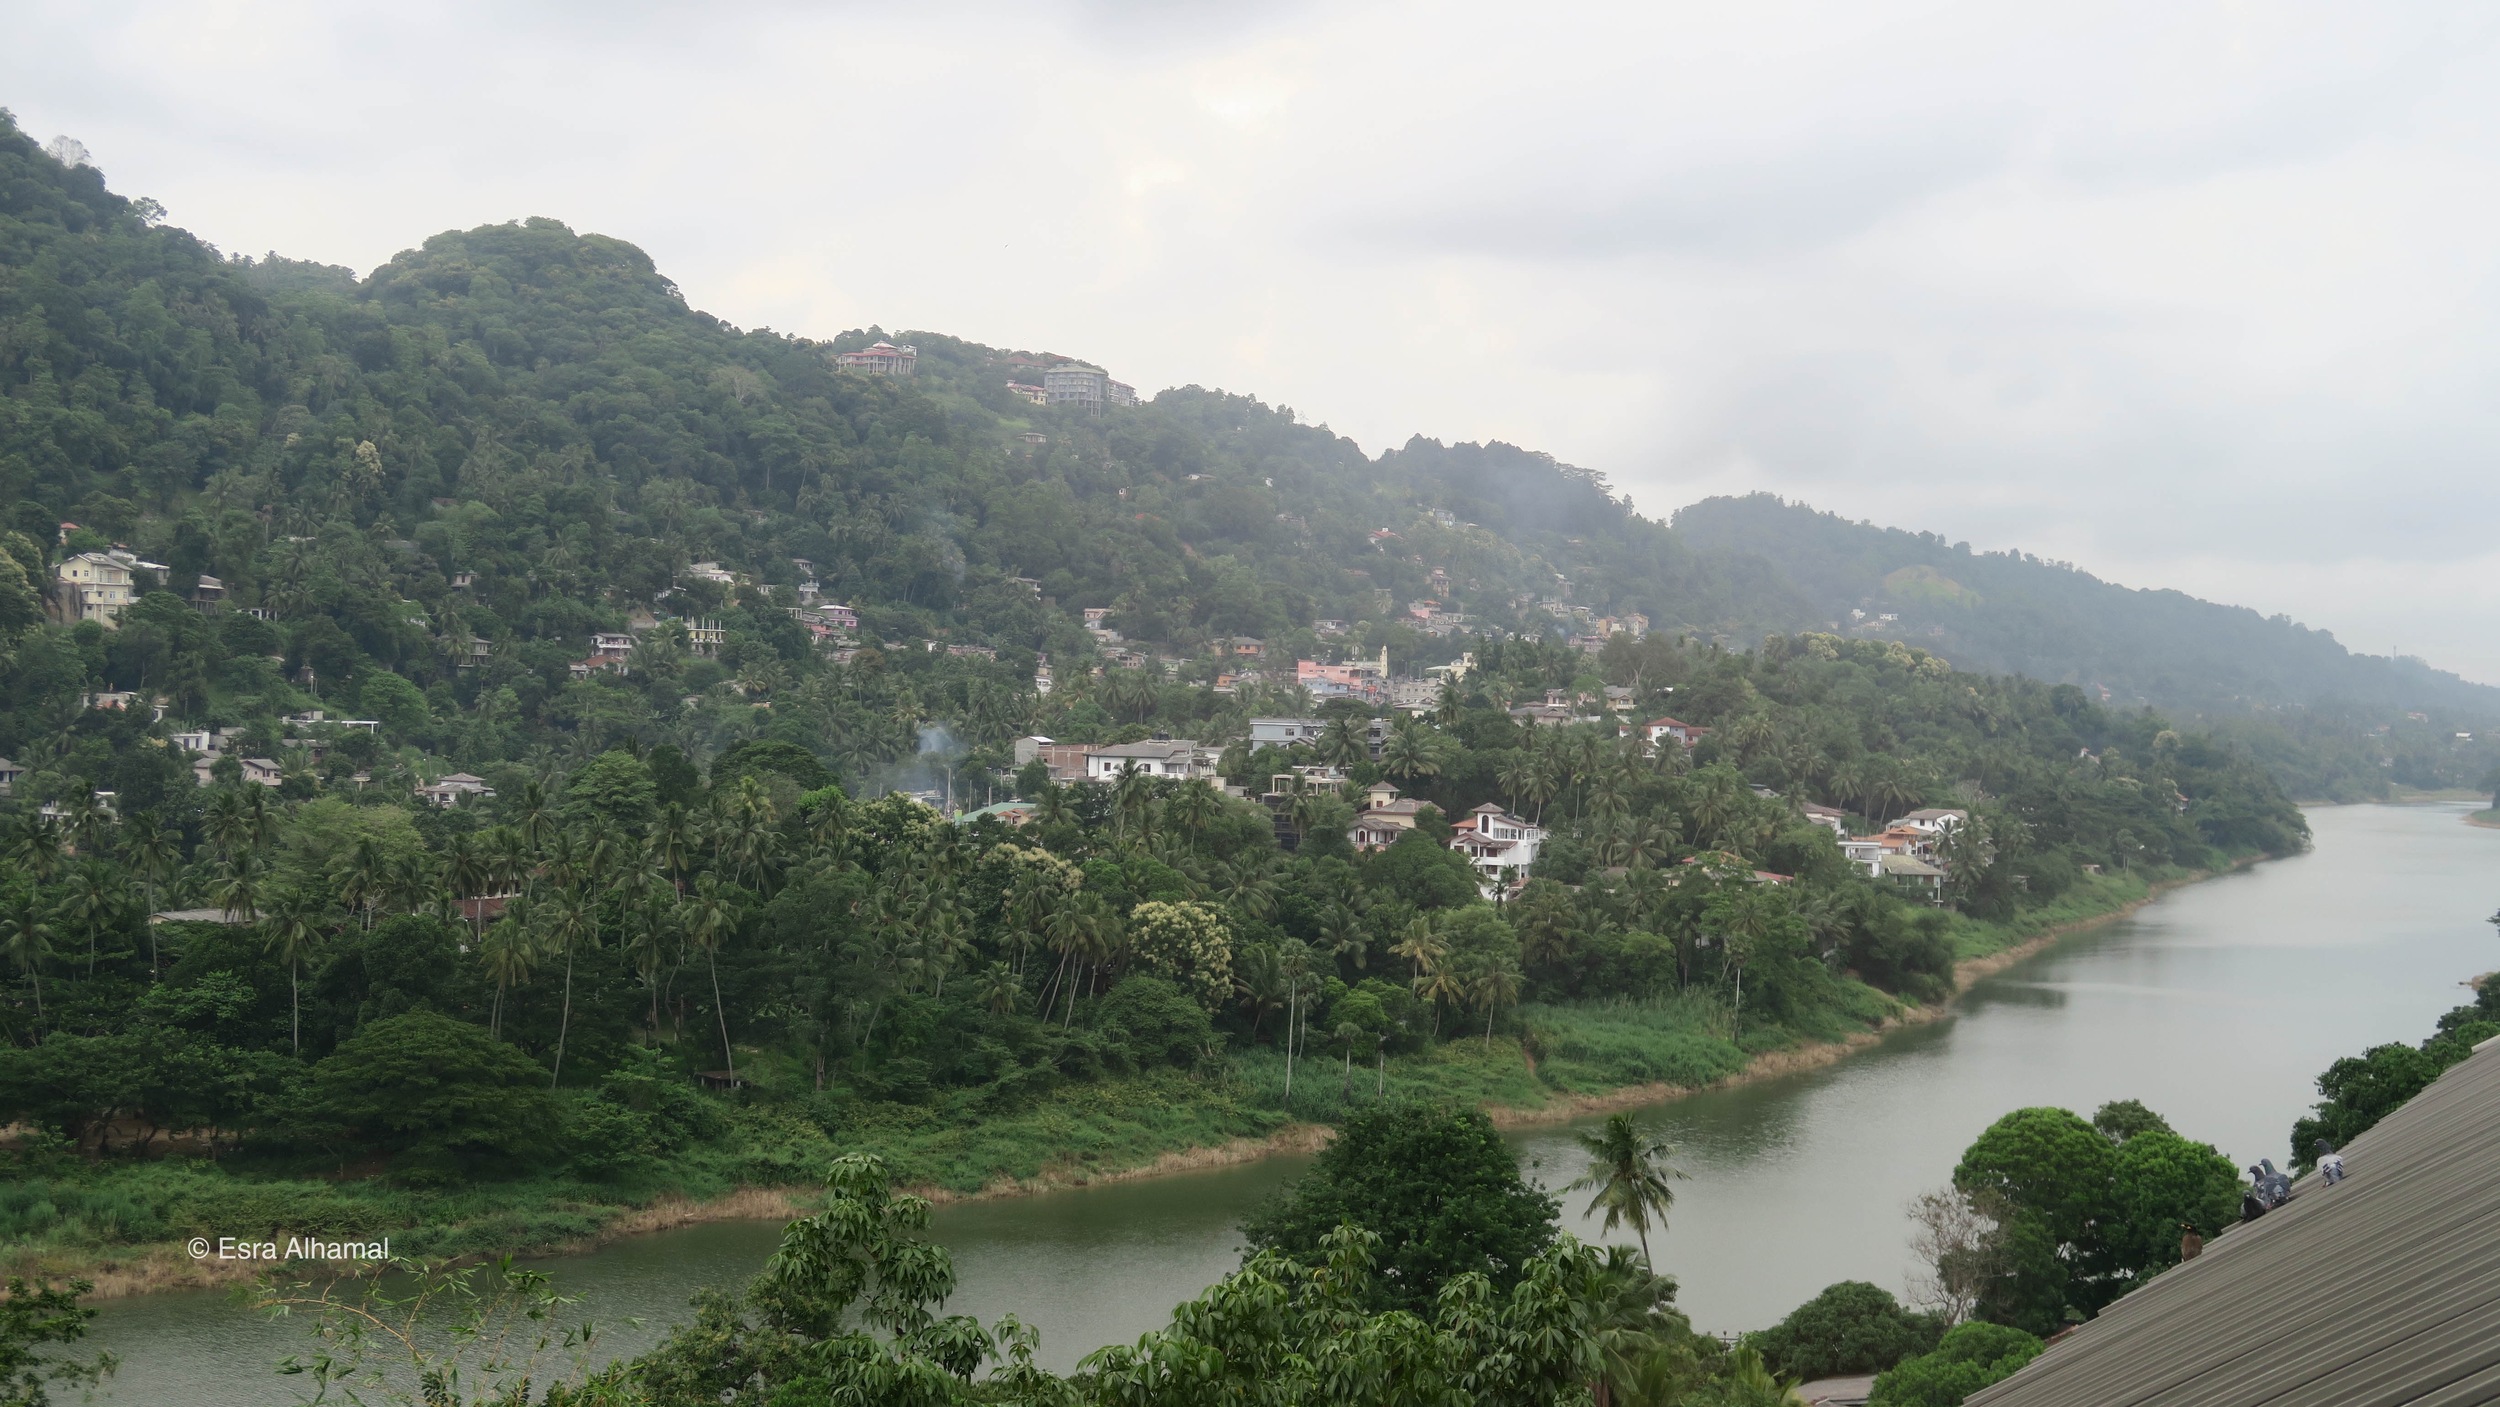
(2217, 1005)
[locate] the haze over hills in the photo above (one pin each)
(2010, 612)
(522, 435)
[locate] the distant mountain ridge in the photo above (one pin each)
(2009, 612)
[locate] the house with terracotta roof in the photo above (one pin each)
(881, 359)
(1497, 843)
(1685, 734)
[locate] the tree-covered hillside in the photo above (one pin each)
(2013, 613)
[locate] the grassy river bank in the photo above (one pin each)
(127, 1225)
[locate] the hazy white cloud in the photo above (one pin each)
(2194, 295)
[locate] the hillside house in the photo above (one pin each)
(880, 359)
(1496, 842)
(448, 791)
(1931, 821)
(1161, 757)
(96, 586)
(1685, 734)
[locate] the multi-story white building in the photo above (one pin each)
(1494, 842)
(95, 586)
(1085, 387)
(883, 359)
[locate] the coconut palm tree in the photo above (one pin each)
(34, 846)
(1411, 752)
(1492, 986)
(96, 897)
(238, 887)
(152, 851)
(1422, 947)
(1629, 1174)
(507, 951)
(361, 877)
(570, 927)
(709, 918)
(290, 931)
(465, 874)
(27, 938)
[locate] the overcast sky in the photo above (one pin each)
(2192, 295)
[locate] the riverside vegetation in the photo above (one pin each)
(726, 954)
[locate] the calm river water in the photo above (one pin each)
(2217, 1006)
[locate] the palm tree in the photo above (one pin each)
(1422, 947)
(1629, 1174)
(34, 846)
(1412, 752)
(534, 814)
(1130, 796)
(672, 845)
(506, 951)
(28, 939)
(465, 875)
(570, 927)
(238, 888)
(361, 878)
(1260, 983)
(291, 930)
(997, 991)
(708, 921)
(95, 900)
(152, 850)
(1194, 808)
(1341, 745)
(1497, 983)
(227, 829)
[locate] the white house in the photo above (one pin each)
(1931, 821)
(1493, 840)
(1286, 732)
(9, 773)
(1685, 734)
(94, 586)
(449, 790)
(882, 359)
(1169, 757)
(1831, 818)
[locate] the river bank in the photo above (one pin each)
(1114, 1131)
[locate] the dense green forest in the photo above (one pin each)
(2332, 724)
(694, 939)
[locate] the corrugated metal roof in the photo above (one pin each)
(2381, 1291)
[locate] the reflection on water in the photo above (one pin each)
(2217, 1006)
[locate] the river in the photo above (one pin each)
(2217, 1005)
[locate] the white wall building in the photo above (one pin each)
(883, 359)
(95, 586)
(1174, 757)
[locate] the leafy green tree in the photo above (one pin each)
(2123, 1119)
(1851, 1327)
(1437, 1186)
(613, 789)
(32, 1315)
(1188, 944)
(440, 1096)
(2162, 1185)
(1969, 1358)
(2047, 1162)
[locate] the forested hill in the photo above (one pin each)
(524, 435)
(2011, 613)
